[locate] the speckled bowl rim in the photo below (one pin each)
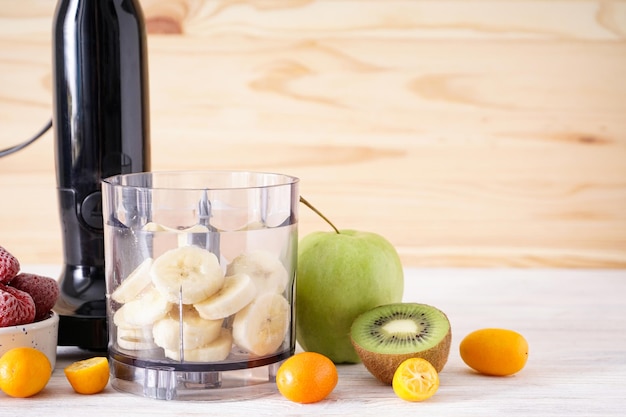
(41, 324)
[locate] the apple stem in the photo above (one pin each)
(319, 213)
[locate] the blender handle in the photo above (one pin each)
(101, 128)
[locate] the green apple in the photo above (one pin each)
(340, 275)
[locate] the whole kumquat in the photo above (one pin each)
(497, 352)
(306, 377)
(24, 371)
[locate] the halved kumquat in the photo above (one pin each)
(415, 379)
(89, 376)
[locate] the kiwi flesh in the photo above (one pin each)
(386, 335)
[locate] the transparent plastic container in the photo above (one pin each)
(200, 270)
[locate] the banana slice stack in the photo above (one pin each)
(186, 286)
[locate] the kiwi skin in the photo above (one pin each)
(384, 365)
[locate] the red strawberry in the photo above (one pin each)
(16, 307)
(9, 266)
(43, 290)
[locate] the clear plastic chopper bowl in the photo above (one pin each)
(200, 270)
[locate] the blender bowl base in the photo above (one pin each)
(165, 382)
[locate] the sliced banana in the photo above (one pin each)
(119, 319)
(196, 331)
(260, 327)
(134, 283)
(238, 290)
(218, 350)
(130, 343)
(132, 337)
(265, 269)
(134, 332)
(138, 338)
(145, 310)
(188, 273)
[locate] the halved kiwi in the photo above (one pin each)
(386, 335)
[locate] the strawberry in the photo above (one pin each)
(9, 266)
(16, 307)
(43, 290)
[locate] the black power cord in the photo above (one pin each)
(13, 149)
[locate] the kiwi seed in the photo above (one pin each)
(389, 334)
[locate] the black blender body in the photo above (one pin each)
(101, 127)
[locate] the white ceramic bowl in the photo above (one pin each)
(41, 335)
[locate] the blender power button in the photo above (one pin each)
(91, 210)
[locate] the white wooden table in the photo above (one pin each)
(574, 320)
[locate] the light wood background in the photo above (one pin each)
(469, 133)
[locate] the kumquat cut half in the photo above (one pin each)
(89, 376)
(415, 380)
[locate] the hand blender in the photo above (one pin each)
(101, 128)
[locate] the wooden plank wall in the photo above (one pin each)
(481, 133)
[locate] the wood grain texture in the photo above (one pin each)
(469, 133)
